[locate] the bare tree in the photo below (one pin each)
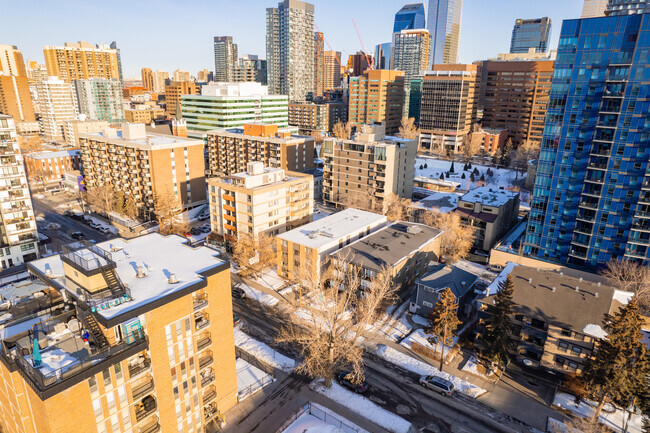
(102, 198)
(125, 204)
(364, 200)
(456, 240)
(342, 130)
(408, 129)
(526, 151)
(632, 277)
(396, 208)
(254, 256)
(169, 212)
(318, 137)
(471, 145)
(341, 310)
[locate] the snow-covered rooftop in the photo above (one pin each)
(489, 196)
(159, 256)
(53, 154)
(441, 202)
(331, 228)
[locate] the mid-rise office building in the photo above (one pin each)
(260, 200)
(144, 114)
(627, 7)
(382, 56)
(72, 129)
(249, 68)
(331, 70)
(364, 171)
(533, 33)
(290, 49)
(231, 149)
(225, 58)
(11, 61)
(377, 96)
(591, 201)
(593, 8)
(410, 17)
(182, 75)
(515, 97)
(410, 53)
(443, 23)
(145, 165)
(100, 99)
(18, 236)
(173, 93)
(129, 332)
(57, 101)
(159, 81)
(226, 105)
(448, 107)
(80, 61)
(319, 63)
(316, 116)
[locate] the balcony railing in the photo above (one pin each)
(199, 302)
(207, 377)
(151, 427)
(203, 342)
(209, 395)
(143, 388)
(206, 360)
(138, 366)
(145, 408)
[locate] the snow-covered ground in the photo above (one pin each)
(471, 366)
(250, 379)
(420, 337)
(319, 419)
(478, 269)
(263, 352)
(409, 363)
(270, 279)
(363, 407)
(320, 213)
(393, 326)
(614, 419)
(420, 320)
(258, 295)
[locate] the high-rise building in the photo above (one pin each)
(205, 76)
(260, 200)
(137, 334)
(226, 105)
(382, 56)
(11, 61)
(18, 237)
(290, 49)
(317, 116)
(332, 70)
(225, 58)
(182, 75)
(410, 17)
(119, 60)
(362, 172)
(230, 150)
(449, 105)
(594, 8)
(319, 63)
(15, 98)
(159, 81)
(147, 79)
(58, 103)
(443, 23)
(377, 96)
(533, 33)
(627, 7)
(174, 91)
(591, 201)
(358, 63)
(145, 165)
(515, 97)
(81, 60)
(100, 99)
(410, 53)
(249, 68)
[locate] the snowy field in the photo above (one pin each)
(258, 295)
(363, 407)
(250, 379)
(263, 352)
(271, 280)
(408, 363)
(612, 419)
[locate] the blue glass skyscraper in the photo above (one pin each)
(591, 201)
(443, 23)
(410, 17)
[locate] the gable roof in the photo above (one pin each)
(441, 276)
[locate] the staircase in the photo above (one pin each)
(110, 277)
(91, 324)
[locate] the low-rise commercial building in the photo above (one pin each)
(490, 212)
(488, 140)
(230, 150)
(49, 166)
(260, 200)
(304, 251)
(558, 315)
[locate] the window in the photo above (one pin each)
(92, 384)
(107, 377)
(576, 350)
(110, 400)
(427, 304)
(117, 368)
(97, 407)
(562, 346)
(566, 332)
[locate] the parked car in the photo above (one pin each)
(195, 231)
(77, 235)
(68, 213)
(205, 229)
(94, 225)
(104, 230)
(344, 379)
(236, 320)
(204, 216)
(77, 216)
(438, 384)
(238, 293)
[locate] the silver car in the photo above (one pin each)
(438, 384)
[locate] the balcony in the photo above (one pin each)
(210, 412)
(207, 377)
(145, 408)
(199, 302)
(143, 388)
(204, 341)
(201, 320)
(139, 365)
(209, 394)
(205, 360)
(151, 427)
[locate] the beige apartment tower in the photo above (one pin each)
(58, 104)
(377, 96)
(175, 90)
(319, 63)
(331, 70)
(81, 60)
(147, 79)
(11, 61)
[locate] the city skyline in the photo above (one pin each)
(191, 48)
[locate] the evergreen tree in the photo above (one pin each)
(425, 165)
(463, 176)
(619, 364)
(482, 178)
(472, 177)
(421, 167)
(443, 322)
(499, 326)
(442, 176)
(447, 174)
(451, 170)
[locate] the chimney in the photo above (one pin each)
(596, 295)
(530, 281)
(553, 289)
(599, 284)
(577, 289)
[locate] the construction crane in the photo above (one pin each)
(362, 47)
(329, 46)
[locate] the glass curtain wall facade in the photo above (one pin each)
(443, 23)
(527, 34)
(591, 200)
(409, 17)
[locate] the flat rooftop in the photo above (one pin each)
(489, 196)
(158, 256)
(336, 226)
(389, 245)
(53, 154)
(151, 141)
(441, 202)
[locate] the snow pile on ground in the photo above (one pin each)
(258, 295)
(250, 379)
(364, 407)
(420, 337)
(614, 419)
(319, 419)
(594, 331)
(420, 320)
(263, 352)
(471, 366)
(408, 363)
(271, 280)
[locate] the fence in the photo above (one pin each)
(324, 415)
(239, 353)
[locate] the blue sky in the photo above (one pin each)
(171, 34)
